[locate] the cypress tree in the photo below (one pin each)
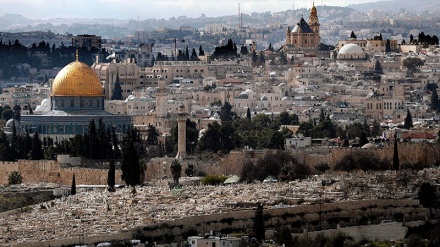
(259, 229)
(130, 165)
(201, 51)
(115, 143)
(396, 162)
(117, 90)
(248, 113)
(435, 103)
(37, 152)
(111, 177)
(73, 188)
(27, 145)
(388, 46)
(408, 123)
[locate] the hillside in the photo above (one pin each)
(419, 6)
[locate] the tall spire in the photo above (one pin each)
(76, 55)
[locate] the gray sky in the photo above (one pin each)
(144, 9)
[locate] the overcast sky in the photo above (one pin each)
(144, 9)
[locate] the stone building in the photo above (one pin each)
(76, 98)
(86, 40)
(304, 36)
(127, 73)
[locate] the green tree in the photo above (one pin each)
(376, 131)
(201, 51)
(363, 140)
(115, 144)
(130, 165)
(435, 102)
(117, 90)
(261, 60)
(388, 46)
(413, 64)
(17, 112)
(92, 144)
(37, 152)
(283, 58)
(408, 122)
(73, 188)
(396, 162)
(26, 146)
(427, 195)
(226, 113)
(270, 48)
(152, 135)
(189, 171)
(194, 55)
(248, 113)
(352, 35)
(176, 170)
(111, 176)
(7, 114)
(219, 138)
(258, 226)
(15, 178)
(285, 236)
(254, 58)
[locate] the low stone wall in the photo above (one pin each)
(50, 171)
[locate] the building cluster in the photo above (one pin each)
(361, 80)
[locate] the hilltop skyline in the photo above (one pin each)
(45, 9)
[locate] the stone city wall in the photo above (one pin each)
(50, 171)
(232, 164)
(62, 171)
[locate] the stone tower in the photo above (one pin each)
(181, 132)
(161, 100)
(314, 20)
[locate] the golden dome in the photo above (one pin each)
(76, 79)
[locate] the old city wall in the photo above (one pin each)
(157, 168)
(409, 153)
(50, 171)
(239, 220)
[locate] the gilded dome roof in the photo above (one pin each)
(76, 79)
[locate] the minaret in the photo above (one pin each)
(181, 132)
(161, 100)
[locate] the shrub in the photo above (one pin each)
(15, 178)
(361, 160)
(213, 180)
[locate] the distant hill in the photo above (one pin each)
(10, 20)
(418, 6)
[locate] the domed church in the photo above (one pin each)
(304, 36)
(76, 98)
